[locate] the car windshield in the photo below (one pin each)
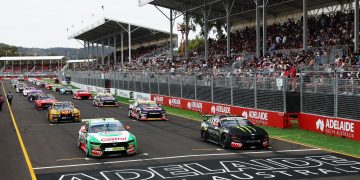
(106, 127)
(29, 88)
(149, 105)
(62, 106)
(105, 96)
(67, 88)
(235, 121)
(80, 91)
(43, 97)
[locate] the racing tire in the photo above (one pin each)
(87, 154)
(138, 117)
(204, 135)
(224, 141)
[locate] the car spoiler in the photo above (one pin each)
(97, 119)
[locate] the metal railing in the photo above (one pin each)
(328, 93)
(246, 90)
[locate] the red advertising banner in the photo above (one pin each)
(261, 117)
(329, 125)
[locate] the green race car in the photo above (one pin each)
(106, 137)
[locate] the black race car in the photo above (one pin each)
(233, 132)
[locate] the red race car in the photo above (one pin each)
(48, 86)
(82, 94)
(45, 101)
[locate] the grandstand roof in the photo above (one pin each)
(80, 60)
(243, 10)
(108, 27)
(30, 58)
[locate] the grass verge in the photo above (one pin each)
(331, 143)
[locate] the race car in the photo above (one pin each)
(233, 132)
(20, 87)
(27, 90)
(106, 137)
(146, 110)
(66, 90)
(82, 94)
(63, 111)
(45, 101)
(14, 83)
(42, 84)
(48, 86)
(56, 87)
(105, 100)
(34, 94)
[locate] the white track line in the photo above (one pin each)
(172, 157)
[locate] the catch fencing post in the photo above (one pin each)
(212, 88)
(168, 80)
(231, 90)
(255, 90)
(195, 86)
(181, 87)
(336, 91)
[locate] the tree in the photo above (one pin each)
(8, 51)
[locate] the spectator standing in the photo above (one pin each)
(10, 97)
(1, 101)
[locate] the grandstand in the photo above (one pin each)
(134, 40)
(314, 72)
(31, 65)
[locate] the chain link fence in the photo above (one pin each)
(328, 93)
(252, 90)
(334, 94)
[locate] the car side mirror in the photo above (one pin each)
(127, 127)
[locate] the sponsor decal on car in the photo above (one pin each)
(111, 139)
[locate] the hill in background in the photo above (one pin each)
(73, 53)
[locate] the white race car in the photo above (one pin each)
(27, 90)
(20, 87)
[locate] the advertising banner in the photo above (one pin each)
(329, 125)
(261, 117)
(123, 93)
(143, 96)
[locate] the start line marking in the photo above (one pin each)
(174, 157)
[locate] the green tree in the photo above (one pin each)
(8, 51)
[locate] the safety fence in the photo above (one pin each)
(242, 90)
(325, 102)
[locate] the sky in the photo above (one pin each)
(44, 23)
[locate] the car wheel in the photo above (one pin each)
(129, 114)
(139, 116)
(87, 152)
(224, 141)
(204, 135)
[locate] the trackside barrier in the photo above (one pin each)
(261, 117)
(331, 126)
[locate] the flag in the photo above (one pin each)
(102, 7)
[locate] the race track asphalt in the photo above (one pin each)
(167, 149)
